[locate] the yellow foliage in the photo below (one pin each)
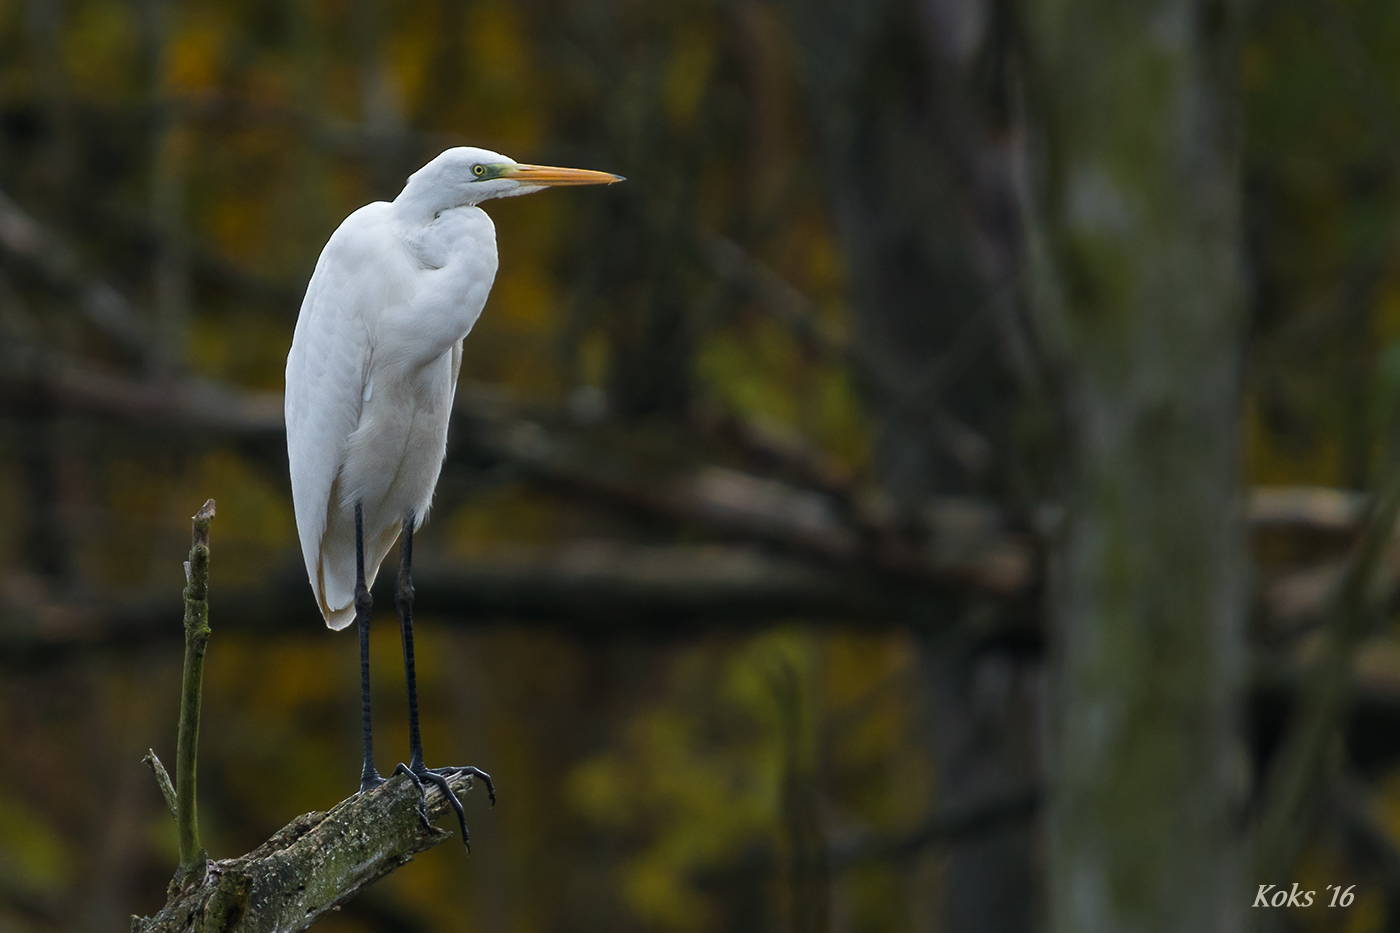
(33, 856)
(500, 55)
(687, 76)
(100, 42)
(195, 56)
(1385, 322)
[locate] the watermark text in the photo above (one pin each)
(1271, 895)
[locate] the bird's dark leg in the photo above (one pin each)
(369, 777)
(403, 599)
(415, 769)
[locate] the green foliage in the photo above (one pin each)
(1324, 198)
(698, 784)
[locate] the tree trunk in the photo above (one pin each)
(926, 211)
(1135, 254)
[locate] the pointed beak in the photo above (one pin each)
(549, 175)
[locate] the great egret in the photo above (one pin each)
(370, 379)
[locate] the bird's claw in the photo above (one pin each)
(422, 805)
(474, 772)
(422, 776)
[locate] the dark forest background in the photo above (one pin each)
(782, 562)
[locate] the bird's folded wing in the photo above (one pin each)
(326, 372)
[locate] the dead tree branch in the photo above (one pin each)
(311, 866)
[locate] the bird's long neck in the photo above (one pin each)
(422, 199)
(454, 264)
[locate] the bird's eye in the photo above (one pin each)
(478, 170)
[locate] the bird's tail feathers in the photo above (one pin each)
(338, 619)
(337, 571)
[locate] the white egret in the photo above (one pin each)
(370, 380)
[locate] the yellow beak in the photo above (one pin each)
(549, 175)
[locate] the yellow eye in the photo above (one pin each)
(478, 170)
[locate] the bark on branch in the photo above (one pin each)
(192, 854)
(311, 866)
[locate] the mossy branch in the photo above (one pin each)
(311, 866)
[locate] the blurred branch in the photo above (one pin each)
(81, 387)
(1291, 787)
(726, 502)
(1300, 599)
(773, 445)
(1297, 601)
(951, 826)
(965, 546)
(940, 829)
(1317, 508)
(906, 401)
(310, 867)
(1366, 836)
(1370, 727)
(737, 505)
(736, 266)
(24, 238)
(732, 504)
(659, 591)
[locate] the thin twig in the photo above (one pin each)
(192, 855)
(167, 789)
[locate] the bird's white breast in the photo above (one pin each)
(453, 267)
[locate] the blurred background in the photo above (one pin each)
(733, 580)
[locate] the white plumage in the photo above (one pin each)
(373, 365)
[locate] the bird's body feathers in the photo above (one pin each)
(370, 381)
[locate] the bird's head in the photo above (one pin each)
(466, 175)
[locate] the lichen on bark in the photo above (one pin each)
(1136, 264)
(311, 866)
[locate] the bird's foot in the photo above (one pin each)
(369, 780)
(422, 776)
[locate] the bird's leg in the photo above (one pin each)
(403, 600)
(369, 777)
(415, 769)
